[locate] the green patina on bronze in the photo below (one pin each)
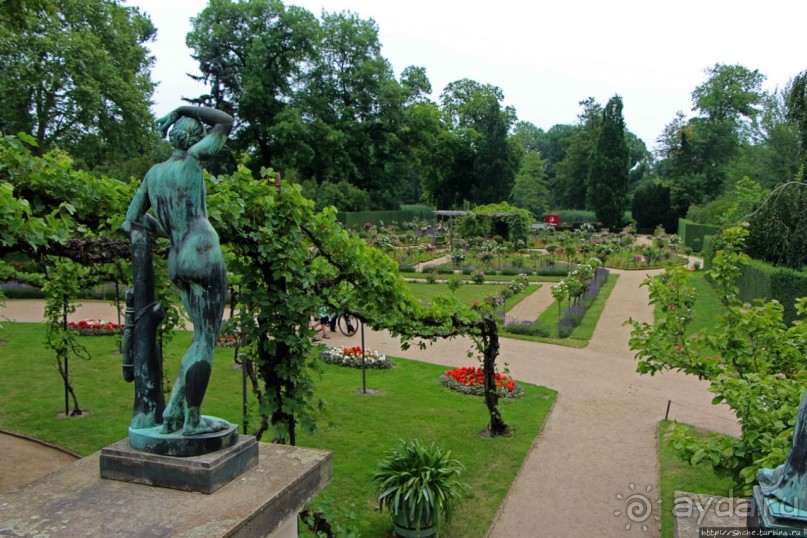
(782, 492)
(170, 202)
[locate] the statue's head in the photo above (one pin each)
(186, 132)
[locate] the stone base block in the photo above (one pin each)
(693, 512)
(76, 501)
(780, 519)
(204, 474)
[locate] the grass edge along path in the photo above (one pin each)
(582, 334)
(677, 474)
(359, 429)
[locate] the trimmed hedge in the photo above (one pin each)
(694, 234)
(357, 219)
(760, 280)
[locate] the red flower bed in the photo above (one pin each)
(226, 341)
(94, 327)
(471, 380)
(354, 351)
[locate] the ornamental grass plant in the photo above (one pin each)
(419, 485)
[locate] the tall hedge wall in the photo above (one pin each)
(694, 234)
(356, 219)
(760, 280)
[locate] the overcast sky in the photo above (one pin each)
(547, 56)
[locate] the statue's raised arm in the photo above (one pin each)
(198, 144)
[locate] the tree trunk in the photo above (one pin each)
(490, 350)
(77, 411)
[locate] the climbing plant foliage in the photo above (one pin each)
(287, 258)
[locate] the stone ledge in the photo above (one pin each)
(691, 512)
(76, 501)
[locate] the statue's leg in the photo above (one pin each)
(174, 414)
(205, 307)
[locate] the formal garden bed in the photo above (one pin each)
(471, 380)
(544, 253)
(353, 357)
(95, 327)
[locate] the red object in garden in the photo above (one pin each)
(471, 375)
(554, 220)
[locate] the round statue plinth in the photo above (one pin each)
(175, 444)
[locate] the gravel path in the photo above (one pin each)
(600, 438)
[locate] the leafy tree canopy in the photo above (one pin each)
(75, 74)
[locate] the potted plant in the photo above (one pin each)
(419, 485)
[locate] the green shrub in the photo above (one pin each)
(357, 219)
(552, 270)
(760, 280)
(478, 277)
(468, 269)
(534, 328)
(570, 217)
(444, 270)
(693, 234)
(511, 271)
(407, 268)
(14, 290)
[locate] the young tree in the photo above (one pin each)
(754, 363)
(76, 74)
(607, 185)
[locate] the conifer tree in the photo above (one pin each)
(607, 185)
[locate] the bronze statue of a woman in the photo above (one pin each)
(174, 192)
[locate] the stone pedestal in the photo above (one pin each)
(693, 512)
(205, 473)
(76, 501)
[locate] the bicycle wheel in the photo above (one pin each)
(348, 325)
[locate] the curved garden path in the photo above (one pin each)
(601, 436)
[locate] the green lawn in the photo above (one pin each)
(488, 278)
(679, 475)
(707, 306)
(468, 293)
(359, 429)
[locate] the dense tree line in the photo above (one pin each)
(315, 98)
(740, 141)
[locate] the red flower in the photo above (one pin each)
(474, 376)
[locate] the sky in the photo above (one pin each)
(546, 56)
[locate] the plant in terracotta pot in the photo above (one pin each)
(420, 486)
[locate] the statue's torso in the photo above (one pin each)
(177, 194)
